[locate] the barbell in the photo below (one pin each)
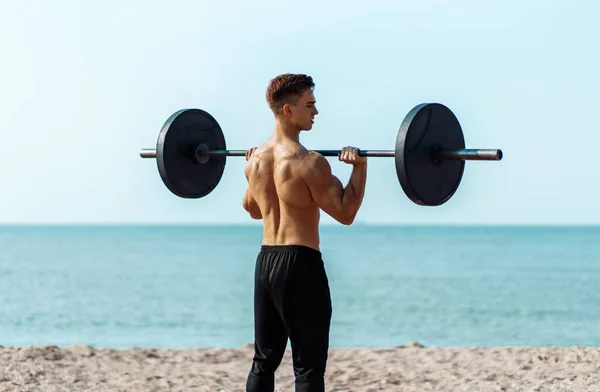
(430, 154)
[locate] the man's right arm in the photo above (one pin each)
(341, 203)
(249, 203)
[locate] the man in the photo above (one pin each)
(287, 187)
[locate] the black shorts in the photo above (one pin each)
(291, 300)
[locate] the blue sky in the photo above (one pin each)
(86, 85)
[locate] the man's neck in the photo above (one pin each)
(286, 131)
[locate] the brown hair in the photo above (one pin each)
(287, 88)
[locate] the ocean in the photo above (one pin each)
(191, 286)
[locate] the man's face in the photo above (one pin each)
(302, 114)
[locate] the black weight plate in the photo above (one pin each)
(176, 153)
(424, 181)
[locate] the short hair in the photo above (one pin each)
(287, 88)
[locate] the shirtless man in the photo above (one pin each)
(287, 187)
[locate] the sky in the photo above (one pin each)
(84, 86)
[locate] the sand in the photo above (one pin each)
(406, 368)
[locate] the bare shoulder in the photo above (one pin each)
(315, 168)
(253, 161)
(315, 161)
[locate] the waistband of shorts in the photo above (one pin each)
(290, 248)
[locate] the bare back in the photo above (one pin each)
(276, 182)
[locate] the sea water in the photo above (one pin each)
(192, 286)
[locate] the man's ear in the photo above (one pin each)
(286, 110)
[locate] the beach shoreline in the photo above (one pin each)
(403, 368)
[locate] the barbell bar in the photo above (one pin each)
(465, 154)
(430, 154)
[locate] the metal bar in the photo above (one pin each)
(462, 154)
(469, 155)
(219, 153)
(362, 153)
(148, 153)
(151, 153)
(327, 153)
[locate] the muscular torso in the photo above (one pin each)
(275, 179)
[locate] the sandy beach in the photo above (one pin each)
(403, 368)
